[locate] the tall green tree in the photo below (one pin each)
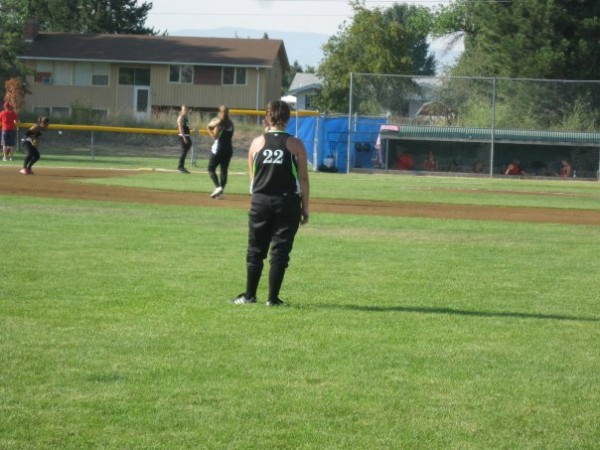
(379, 41)
(92, 16)
(552, 39)
(289, 75)
(526, 38)
(12, 17)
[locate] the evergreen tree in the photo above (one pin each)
(92, 16)
(526, 38)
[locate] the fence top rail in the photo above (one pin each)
(109, 129)
(457, 77)
(486, 134)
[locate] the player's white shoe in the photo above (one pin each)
(218, 192)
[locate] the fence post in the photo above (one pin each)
(493, 134)
(349, 123)
(316, 145)
(92, 146)
(598, 174)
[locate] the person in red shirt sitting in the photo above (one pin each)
(405, 162)
(566, 170)
(430, 163)
(513, 168)
(9, 132)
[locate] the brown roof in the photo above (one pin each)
(156, 49)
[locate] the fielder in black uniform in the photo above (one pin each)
(222, 150)
(183, 127)
(280, 196)
(31, 143)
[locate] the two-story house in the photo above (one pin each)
(136, 74)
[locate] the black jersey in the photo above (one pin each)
(185, 125)
(224, 142)
(275, 167)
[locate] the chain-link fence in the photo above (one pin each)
(492, 126)
(88, 143)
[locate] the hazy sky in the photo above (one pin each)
(315, 16)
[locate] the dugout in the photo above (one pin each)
(486, 151)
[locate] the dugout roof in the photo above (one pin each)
(460, 134)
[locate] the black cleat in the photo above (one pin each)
(276, 302)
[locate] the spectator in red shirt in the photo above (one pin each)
(566, 170)
(513, 168)
(405, 162)
(430, 163)
(9, 132)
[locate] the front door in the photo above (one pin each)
(141, 102)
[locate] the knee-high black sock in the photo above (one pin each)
(252, 280)
(276, 274)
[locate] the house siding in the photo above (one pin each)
(118, 99)
(165, 93)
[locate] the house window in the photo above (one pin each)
(234, 75)
(41, 111)
(82, 75)
(99, 114)
(207, 75)
(63, 73)
(71, 74)
(100, 74)
(130, 76)
(310, 101)
(60, 112)
(181, 74)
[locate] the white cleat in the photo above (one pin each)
(218, 192)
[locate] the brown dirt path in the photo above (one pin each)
(59, 183)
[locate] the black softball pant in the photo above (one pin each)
(185, 148)
(222, 159)
(32, 155)
(273, 222)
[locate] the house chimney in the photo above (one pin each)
(32, 28)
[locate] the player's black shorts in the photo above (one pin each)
(273, 221)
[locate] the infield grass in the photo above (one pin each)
(400, 333)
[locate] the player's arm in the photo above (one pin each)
(255, 147)
(297, 148)
(214, 129)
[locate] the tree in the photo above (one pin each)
(15, 94)
(92, 16)
(12, 17)
(525, 38)
(289, 75)
(379, 41)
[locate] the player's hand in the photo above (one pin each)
(304, 217)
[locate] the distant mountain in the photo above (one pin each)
(302, 47)
(306, 47)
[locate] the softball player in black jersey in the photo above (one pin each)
(280, 197)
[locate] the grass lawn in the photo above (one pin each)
(401, 333)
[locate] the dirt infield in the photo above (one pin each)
(62, 183)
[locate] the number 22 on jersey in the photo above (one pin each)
(273, 157)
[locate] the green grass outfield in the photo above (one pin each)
(401, 332)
